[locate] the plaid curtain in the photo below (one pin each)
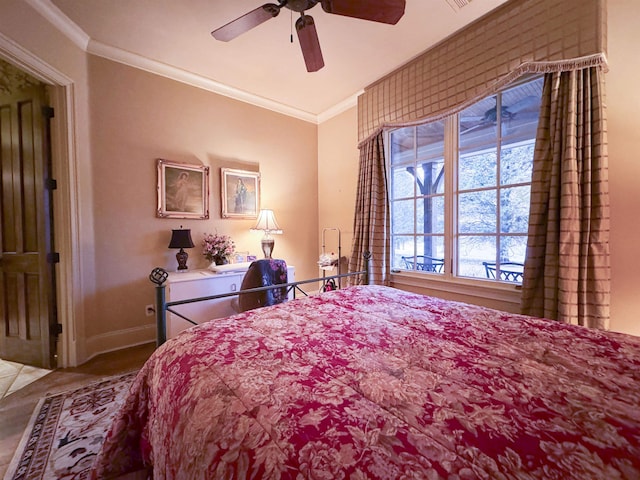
(371, 221)
(567, 270)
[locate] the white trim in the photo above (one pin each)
(168, 71)
(59, 20)
(119, 339)
(67, 224)
(502, 292)
(343, 106)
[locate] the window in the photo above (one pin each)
(459, 188)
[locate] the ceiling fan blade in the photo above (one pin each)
(246, 22)
(308, 37)
(383, 11)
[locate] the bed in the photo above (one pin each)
(374, 382)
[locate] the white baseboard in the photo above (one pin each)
(112, 341)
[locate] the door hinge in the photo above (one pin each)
(47, 112)
(53, 257)
(51, 184)
(56, 329)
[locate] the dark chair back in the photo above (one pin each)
(509, 271)
(262, 273)
(424, 263)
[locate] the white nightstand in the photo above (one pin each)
(203, 283)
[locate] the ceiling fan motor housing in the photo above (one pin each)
(300, 5)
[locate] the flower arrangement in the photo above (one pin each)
(217, 248)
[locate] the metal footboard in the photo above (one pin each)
(159, 276)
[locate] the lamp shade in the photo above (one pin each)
(181, 239)
(267, 222)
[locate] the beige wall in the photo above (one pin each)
(137, 117)
(623, 109)
(337, 178)
(623, 104)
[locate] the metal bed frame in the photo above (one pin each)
(159, 275)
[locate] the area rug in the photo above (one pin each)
(66, 431)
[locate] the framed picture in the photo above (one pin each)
(240, 193)
(183, 190)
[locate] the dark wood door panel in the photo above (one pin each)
(26, 292)
(22, 315)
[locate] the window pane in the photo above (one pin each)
(520, 111)
(514, 209)
(430, 245)
(402, 246)
(430, 215)
(402, 144)
(477, 171)
(430, 255)
(402, 183)
(516, 164)
(438, 214)
(477, 212)
(430, 176)
(478, 125)
(402, 212)
(430, 139)
(513, 248)
(472, 251)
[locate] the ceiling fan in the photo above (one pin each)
(383, 11)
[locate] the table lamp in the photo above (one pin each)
(267, 223)
(181, 239)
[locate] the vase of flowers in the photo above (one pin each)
(217, 248)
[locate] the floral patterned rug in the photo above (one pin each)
(66, 431)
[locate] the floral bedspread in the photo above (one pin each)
(373, 382)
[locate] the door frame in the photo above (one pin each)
(65, 205)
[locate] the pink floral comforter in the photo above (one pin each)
(372, 382)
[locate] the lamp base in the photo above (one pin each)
(267, 246)
(182, 257)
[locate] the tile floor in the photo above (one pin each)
(14, 376)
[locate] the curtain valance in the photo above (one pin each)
(519, 37)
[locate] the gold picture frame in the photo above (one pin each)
(183, 190)
(240, 193)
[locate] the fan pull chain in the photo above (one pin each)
(291, 14)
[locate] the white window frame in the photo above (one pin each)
(448, 283)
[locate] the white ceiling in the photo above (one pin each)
(173, 38)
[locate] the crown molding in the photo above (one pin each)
(343, 106)
(174, 73)
(63, 23)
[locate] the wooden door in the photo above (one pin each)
(27, 280)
